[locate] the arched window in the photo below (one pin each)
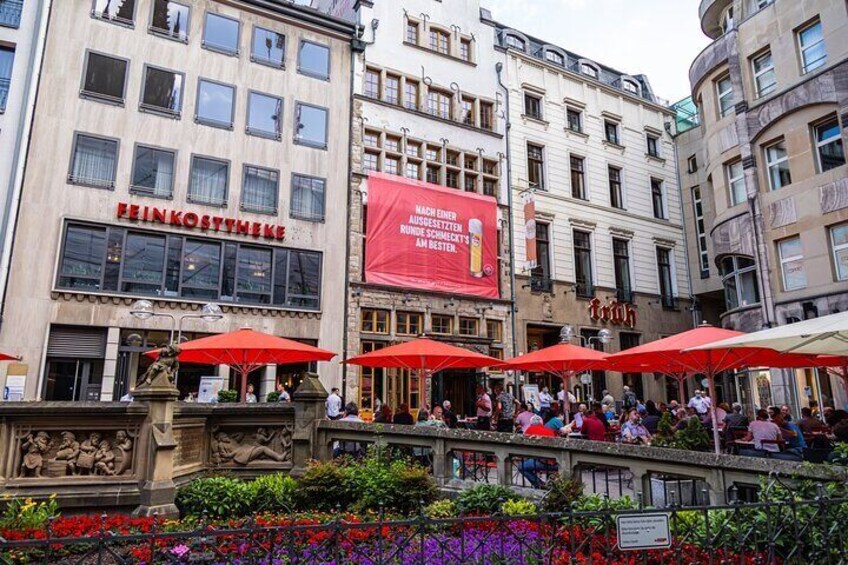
(555, 57)
(630, 86)
(739, 276)
(516, 42)
(589, 69)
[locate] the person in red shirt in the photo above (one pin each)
(530, 467)
(593, 428)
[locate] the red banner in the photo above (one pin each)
(428, 237)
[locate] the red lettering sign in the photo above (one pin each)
(614, 312)
(194, 221)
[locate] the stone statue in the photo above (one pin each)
(124, 445)
(104, 459)
(66, 457)
(35, 448)
(163, 371)
(88, 449)
(233, 450)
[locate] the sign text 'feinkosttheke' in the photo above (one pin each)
(203, 222)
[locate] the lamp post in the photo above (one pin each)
(566, 334)
(143, 310)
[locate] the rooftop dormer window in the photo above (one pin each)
(555, 58)
(516, 42)
(631, 87)
(589, 70)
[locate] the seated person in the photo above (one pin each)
(632, 431)
(759, 430)
(808, 423)
(530, 467)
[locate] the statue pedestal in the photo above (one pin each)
(308, 401)
(156, 468)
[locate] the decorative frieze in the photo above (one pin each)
(74, 453)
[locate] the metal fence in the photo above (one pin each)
(812, 532)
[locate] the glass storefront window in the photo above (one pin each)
(254, 275)
(201, 271)
(143, 262)
(82, 258)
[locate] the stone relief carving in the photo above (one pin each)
(163, 371)
(98, 454)
(240, 449)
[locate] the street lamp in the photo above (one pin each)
(566, 334)
(143, 310)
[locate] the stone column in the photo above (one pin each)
(441, 471)
(308, 402)
(110, 364)
(157, 458)
(268, 382)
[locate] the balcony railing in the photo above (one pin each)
(624, 295)
(4, 92)
(541, 284)
(585, 290)
(10, 12)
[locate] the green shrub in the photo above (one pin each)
(217, 497)
(522, 507)
(484, 499)
(323, 488)
(445, 508)
(227, 396)
(596, 502)
(26, 514)
(415, 485)
(665, 431)
(395, 485)
(563, 491)
(273, 493)
(693, 437)
(273, 396)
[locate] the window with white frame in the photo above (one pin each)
(724, 91)
(515, 42)
(736, 183)
(739, 277)
(811, 46)
(611, 132)
(777, 164)
(829, 149)
(532, 106)
(764, 76)
(616, 192)
(653, 144)
(555, 57)
(692, 164)
(666, 277)
(758, 5)
(536, 166)
(575, 119)
(589, 70)
(583, 275)
(701, 231)
(658, 199)
(727, 21)
(839, 243)
(630, 87)
(792, 263)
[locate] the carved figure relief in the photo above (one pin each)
(163, 371)
(34, 450)
(47, 456)
(239, 449)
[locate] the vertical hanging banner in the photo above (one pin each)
(531, 261)
(429, 237)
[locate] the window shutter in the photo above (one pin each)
(77, 342)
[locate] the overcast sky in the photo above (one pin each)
(658, 38)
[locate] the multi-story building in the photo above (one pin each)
(604, 247)
(764, 175)
(184, 153)
(427, 111)
(22, 31)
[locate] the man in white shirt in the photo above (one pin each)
(334, 405)
(566, 403)
(700, 403)
(283, 393)
(545, 400)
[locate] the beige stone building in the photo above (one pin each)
(763, 177)
(185, 153)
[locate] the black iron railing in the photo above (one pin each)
(809, 532)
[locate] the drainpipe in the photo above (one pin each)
(695, 321)
(754, 208)
(499, 70)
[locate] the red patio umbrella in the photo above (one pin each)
(562, 360)
(675, 355)
(7, 357)
(246, 350)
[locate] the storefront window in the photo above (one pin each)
(254, 275)
(202, 269)
(739, 275)
(82, 258)
(143, 264)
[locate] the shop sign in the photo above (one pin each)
(613, 312)
(202, 222)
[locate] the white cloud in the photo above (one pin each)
(658, 38)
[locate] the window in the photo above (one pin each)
(94, 161)
(311, 128)
(792, 263)
(465, 50)
(515, 42)
(532, 106)
(490, 187)
(264, 115)
(739, 276)
(631, 87)
(494, 330)
(468, 112)
(83, 253)
(839, 242)
(469, 326)
(583, 264)
(653, 145)
(829, 149)
(811, 44)
(314, 60)
(163, 91)
(153, 172)
(142, 265)
(170, 19)
(578, 178)
(692, 164)
(440, 41)
(105, 77)
(575, 120)
(589, 70)
(412, 32)
(664, 271)
(369, 161)
(209, 181)
(621, 266)
(307, 198)
(259, 190)
(7, 59)
(760, 4)
(439, 104)
(470, 182)
(410, 94)
(611, 132)
(372, 84)
(215, 104)
(536, 166)
(391, 165)
(540, 276)
(268, 48)
(727, 21)
(764, 77)
(409, 323)
(777, 163)
(736, 182)
(658, 199)
(616, 194)
(221, 34)
(555, 58)
(375, 321)
(413, 171)
(442, 324)
(413, 148)
(701, 231)
(433, 174)
(724, 91)
(392, 94)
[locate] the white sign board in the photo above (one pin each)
(14, 390)
(209, 388)
(643, 531)
(531, 395)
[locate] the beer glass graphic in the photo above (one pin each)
(475, 242)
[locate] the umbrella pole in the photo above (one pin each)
(681, 388)
(711, 385)
(566, 404)
(242, 385)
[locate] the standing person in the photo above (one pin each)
(607, 400)
(628, 399)
(283, 393)
(505, 410)
(249, 396)
(545, 401)
(333, 405)
(448, 415)
(701, 404)
(402, 416)
(566, 400)
(484, 409)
